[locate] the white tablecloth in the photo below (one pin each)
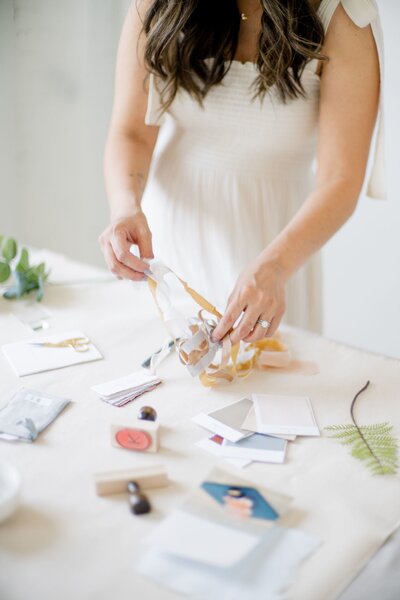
(66, 543)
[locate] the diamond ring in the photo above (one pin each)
(264, 323)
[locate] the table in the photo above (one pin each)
(64, 542)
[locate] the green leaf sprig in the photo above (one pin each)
(27, 277)
(373, 444)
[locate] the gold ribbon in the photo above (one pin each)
(264, 354)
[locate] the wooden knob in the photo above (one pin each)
(147, 413)
(138, 502)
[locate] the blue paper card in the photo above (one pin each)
(245, 501)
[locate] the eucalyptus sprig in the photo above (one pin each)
(27, 277)
(373, 444)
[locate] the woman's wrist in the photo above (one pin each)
(273, 259)
(125, 211)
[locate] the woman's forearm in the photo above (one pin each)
(320, 217)
(126, 165)
(127, 160)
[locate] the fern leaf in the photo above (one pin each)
(340, 427)
(377, 427)
(373, 444)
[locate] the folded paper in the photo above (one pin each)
(226, 421)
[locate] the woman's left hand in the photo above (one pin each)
(260, 294)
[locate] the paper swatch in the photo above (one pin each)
(285, 415)
(250, 424)
(226, 421)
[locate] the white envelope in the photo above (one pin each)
(186, 535)
(285, 415)
(25, 358)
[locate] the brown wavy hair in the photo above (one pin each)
(181, 34)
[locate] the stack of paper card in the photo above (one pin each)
(125, 389)
(257, 428)
(226, 538)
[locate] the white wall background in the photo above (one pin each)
(56, 82)
(8, 192)
(362, 262)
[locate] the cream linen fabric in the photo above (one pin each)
(66, 543)
(226, 179)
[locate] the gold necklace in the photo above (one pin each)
(244, 16)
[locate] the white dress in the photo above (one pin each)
(226, 179)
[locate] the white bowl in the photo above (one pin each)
(10, 485)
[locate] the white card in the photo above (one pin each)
(226, 421)
(26, 358)
(284, 415)
(250, 424)
(186, 535)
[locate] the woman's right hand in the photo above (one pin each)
(116, 240)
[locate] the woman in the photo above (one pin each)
(217, 150)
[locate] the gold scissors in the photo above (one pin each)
(79, 344)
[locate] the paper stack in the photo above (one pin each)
(125, 389)
(227, 538)
(257, 428)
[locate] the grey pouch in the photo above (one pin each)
(28, 413)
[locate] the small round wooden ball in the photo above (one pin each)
(147, 413)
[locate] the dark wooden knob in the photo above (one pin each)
(147, 413)
(138, 502)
